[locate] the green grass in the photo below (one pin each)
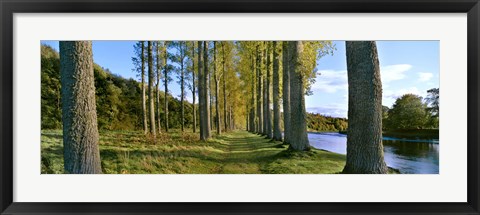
(239, 152)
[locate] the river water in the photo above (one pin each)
(408, 156)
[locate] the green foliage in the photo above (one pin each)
(312, 52)
(116, 101)
(433, 101)
(318, 122)
(385, 111)
(51, 106)
(119, 105)
(408, 112)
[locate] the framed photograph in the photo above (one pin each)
(236, 107)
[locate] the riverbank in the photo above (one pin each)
(239, 152)
(424, 134)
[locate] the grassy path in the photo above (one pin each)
(239, 152)
(247, 152)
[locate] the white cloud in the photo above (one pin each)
(189, 98)
(394, 72)
(389, 96)
(424, 76)
(331, 81)
(401, 92)
(335, 110)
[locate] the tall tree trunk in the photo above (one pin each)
(151, 107)
(364, 139)
(210, 96)
(252, 101)
(79, 116)
(193, 89)
(259, 92)
(247, 125)
(277, 133)
(206, 89)
(165, 76)
(264, 92)
(182, 85)
(268, 86)
(217, 92)
(144, 103)
(224, 89)
(232, 119)
(286, 92)
(159, 72)
(298, 118)
(201, 93)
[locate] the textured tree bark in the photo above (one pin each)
(201, 94)
(259, 92)
(158, 87)
(166, 86)
(277, 133)
(144, 103)
(206, 89)
(364, 139)
(193, 89)
(298, 116)
(151, 106)
(79, 116)
(286, 92)
(267, 92)
(217, 92)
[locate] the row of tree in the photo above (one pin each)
(299, 59)
(279, 75)
(119, 106)
(251, 89)
(197, 71)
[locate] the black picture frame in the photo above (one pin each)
(9, 7)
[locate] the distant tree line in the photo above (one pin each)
(319, 122)
(413, 112)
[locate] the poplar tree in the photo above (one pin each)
(286, 91)
(277, 133)
(298, 117)
(151, 77)
(79, 116)
(364, 135)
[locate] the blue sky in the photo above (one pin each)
(405, 67)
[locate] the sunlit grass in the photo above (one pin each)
(239, 152)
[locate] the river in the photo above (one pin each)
(408, 156)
